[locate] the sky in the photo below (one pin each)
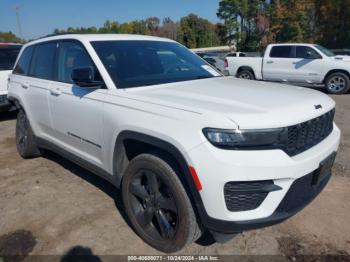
(39, 17)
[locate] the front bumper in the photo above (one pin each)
(4, 103)
(216, 167)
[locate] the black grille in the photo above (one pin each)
(308, 134)
(301, 192)
(243, 196)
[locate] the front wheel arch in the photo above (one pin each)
(168, 151)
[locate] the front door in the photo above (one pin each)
(77, 112)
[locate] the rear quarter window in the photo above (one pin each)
(22, 66)
(43, 61)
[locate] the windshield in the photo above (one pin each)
(8, 57)
(141, 63)
(324, 50)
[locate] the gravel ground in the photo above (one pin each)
(49, 206)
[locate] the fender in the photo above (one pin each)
(120, 163)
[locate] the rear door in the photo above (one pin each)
(76, 112)
(278, 65)
(32, 78)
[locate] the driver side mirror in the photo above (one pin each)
(85, 77)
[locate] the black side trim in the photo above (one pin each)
(79, 161)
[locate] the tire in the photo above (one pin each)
(246, 74)
(337, 83)
(25, 138)
(157, 204)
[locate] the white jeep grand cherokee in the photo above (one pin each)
(192, 151)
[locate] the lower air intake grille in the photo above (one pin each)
(243, 196)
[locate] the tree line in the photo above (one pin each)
(252, 24)
(192, 30)
(248, 25)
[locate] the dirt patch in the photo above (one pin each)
(295, 248)
(17, 245)
(8, 142)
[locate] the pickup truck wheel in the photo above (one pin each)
(25, 138)
(157, 204)
(337, 83)
(246, 74)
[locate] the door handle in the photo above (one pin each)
(25, 85)
(56, 91)
(294, 63)
(269, 62)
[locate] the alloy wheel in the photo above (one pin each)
(153, 205)
(336, 84)
(244, 76)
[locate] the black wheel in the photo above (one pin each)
(25, 139)
(246, 74)
(157, 204)
(337, 83)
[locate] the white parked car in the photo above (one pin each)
(8, 55)
(192, 151)
(304, 64)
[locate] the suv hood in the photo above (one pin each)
(249, 104)
(342, 58)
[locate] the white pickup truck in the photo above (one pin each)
(304, 64)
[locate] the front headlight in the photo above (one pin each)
(240, 139)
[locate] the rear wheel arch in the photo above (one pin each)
(245, 68)
(16, 103)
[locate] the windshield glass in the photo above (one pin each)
(141, 63)
(324, 50)
(8, 57)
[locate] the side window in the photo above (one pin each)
(43, 61)
(242, 55)
(306, 52)
(281, 52)
(22, 66)
(72, 55)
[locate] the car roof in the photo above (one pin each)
(99, 37)
(297, 44)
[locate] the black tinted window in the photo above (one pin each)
(8, 57)
(22, 66)
(72, 55)
(306, 52)
(281, 51)
(142, 63)
(43, 61)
